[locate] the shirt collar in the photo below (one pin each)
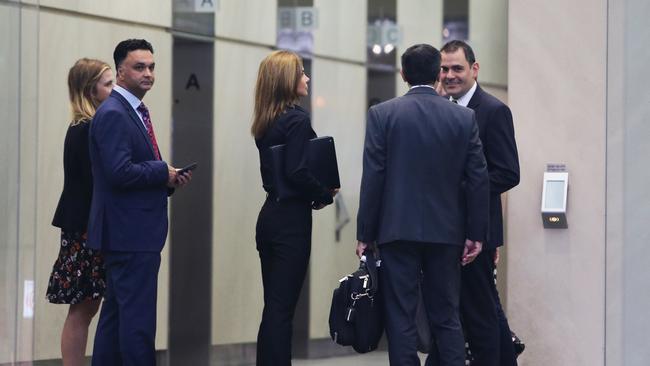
(132, 99)
(421, 86)
(464, 100)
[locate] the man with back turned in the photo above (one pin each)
(128, 218)
(424, 203)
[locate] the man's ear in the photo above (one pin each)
(475, 68)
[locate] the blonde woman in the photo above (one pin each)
(78, 274)
(283, 232)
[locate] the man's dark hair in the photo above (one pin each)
(455, 45)
(123, 48)
(421, 64)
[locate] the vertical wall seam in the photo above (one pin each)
(607, 20)
(17, 177)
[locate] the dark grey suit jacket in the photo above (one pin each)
(497, 134)
(424, 173)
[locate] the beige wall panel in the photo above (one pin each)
(238, 197)
(488, 36)
(9, 158)
(247, 20)
(62, 32)
(155, 12)
(339, 110)
(616, 188)
(557, 299)
(628, 198)
(342, 27)
(421, 22)
(27, 200)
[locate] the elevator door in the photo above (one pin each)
(191, 206)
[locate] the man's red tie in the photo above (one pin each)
(146, 118)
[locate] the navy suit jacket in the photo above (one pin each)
(498, 137)
(424, 173)
(129, 205)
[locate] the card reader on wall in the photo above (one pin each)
(554, 196)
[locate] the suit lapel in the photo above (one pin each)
(135, 119)
(476, 98)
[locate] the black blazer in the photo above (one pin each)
(420, 150)
(74, 205)
(292, 128)
(498, 137)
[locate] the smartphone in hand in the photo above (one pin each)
(187, 168)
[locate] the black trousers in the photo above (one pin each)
(485, 324)
(283, 237)
(401, 265)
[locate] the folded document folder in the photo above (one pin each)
(322, 165)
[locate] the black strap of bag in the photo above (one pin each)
(371, 267)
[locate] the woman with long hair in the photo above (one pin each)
(78, 274)
(283, 232)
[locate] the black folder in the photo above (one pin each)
(322, 165)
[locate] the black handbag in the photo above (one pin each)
(356, 317)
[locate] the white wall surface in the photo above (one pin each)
(338, 110)
(237, 197)
(342, 29)
(421, 22)
(153, 12)
(488, 36)
(247, 20)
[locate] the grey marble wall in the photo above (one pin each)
(628, 198)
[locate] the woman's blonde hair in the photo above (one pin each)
(276, 88)
(82, 79)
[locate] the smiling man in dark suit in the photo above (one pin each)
(128, 218)
(484, 321)
(424, 202)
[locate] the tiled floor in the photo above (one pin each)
(373, 358)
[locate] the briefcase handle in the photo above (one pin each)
(370, 263)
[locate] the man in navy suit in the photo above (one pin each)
(424, 202)
(128, 218)
(484, 321)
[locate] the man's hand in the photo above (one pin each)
(334, 191)
(440, 89)
(361, 246)
(496, 256)
(175, 180)
(183, 179)
(471, 251)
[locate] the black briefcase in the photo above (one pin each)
(356, 317)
